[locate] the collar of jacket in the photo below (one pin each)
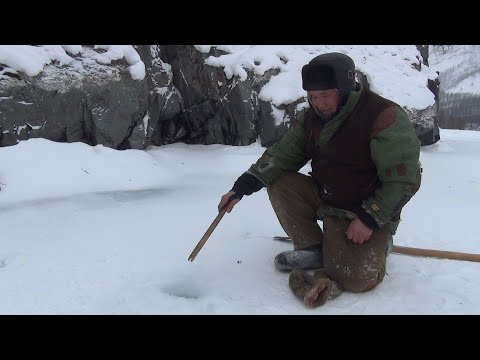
(350, 104)
(332, 126)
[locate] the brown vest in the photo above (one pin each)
(343, 168)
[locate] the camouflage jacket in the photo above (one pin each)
(393, 146)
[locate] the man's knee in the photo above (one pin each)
(362, 281)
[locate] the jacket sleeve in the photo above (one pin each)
(288, 154)
(395, 151)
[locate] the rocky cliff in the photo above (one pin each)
(179, 99)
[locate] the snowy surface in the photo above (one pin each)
(386, 66)
(91, 230)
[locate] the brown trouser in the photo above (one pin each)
(352, 267)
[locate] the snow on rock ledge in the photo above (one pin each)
(32, 60)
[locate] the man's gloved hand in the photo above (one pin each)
(246, 184)
(230, 199)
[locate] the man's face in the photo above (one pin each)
(325, 102)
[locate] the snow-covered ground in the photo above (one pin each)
(91, 230)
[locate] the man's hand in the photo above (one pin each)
(358, 232)
(224, 201)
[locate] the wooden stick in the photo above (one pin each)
(440, 254)
(207, 234)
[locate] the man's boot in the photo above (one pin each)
(305, 259)
(314, 290)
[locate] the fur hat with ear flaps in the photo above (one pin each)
(329, 71)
